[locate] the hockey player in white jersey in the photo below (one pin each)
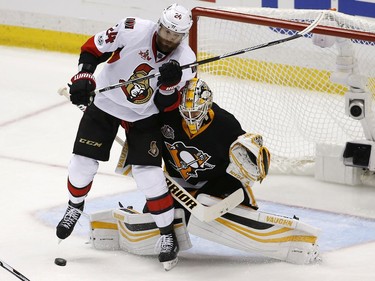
(132, 48)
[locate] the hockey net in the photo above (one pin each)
(283, 92)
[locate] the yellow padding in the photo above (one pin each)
(103, 225)
(371, 85)
(255, 235)
(273, 73)
(41, 39)
(250, 69)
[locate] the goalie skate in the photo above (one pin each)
(168, 265)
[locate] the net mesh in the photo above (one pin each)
(284, 92)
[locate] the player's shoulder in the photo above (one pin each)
(223, 115)
(136, 24)
(171, 115)
(184, 54)
(221, 112)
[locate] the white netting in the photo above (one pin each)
(283, 92)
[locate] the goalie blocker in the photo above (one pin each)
(243, 228)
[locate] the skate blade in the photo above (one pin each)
(168, 265)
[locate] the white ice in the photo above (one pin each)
(37, 130)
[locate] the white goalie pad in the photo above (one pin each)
(270, 235)
(104, 231)
(138, 233)
(128, 230)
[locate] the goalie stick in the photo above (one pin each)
(13, 271)
(226, 55)
(197, 209)
(200, 211)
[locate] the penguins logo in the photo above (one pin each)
(138, 92)
(188, 159)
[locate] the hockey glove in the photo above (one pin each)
(83, 83)
(170, 75)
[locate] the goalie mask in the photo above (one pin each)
(195, 102)
(175, 23)
(249, 159)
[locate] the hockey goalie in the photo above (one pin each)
(211, 187)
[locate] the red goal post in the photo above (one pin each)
(284, 92)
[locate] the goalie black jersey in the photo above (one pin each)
(202, 156)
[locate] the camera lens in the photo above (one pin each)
(356, 111)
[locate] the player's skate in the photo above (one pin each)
(71, 216)
(169, 249)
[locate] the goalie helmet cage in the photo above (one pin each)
(284, 92)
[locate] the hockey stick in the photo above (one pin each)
(201, 212)
(227, 55)
(13, 271)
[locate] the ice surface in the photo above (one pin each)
(37, 129)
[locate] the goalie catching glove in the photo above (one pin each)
(83, 83)
(249, 159)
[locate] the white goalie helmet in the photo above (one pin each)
(195, 103)
(249, 159)
(176, 18)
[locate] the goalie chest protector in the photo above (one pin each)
(204, 155)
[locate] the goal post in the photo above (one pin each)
(286, 92)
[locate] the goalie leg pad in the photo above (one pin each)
(248, 230)
(104, 231)
(138, 233)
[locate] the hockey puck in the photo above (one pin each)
(60, 261)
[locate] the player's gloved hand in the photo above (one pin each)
(83, 83)
(170, 74)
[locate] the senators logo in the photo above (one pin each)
(188, 159)
(138, 92)
(154, 150)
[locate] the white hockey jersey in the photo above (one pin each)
(132, 42)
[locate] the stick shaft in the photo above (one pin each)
(13, 271)
(226, 55)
